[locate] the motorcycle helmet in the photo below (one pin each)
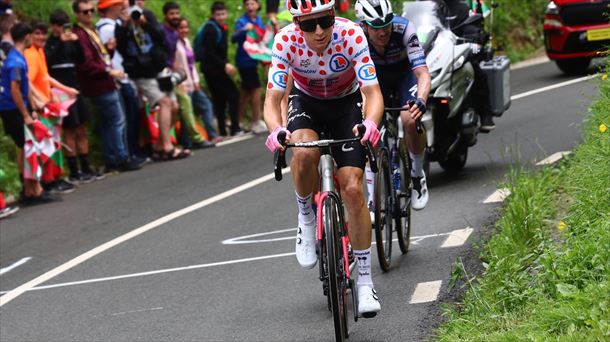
(304, 7)
(376, 13)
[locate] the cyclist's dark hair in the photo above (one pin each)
(59, 17)
(170, 5)
(39, 25)
(7, 20)
(76, 5)
(19, 31)
(218, 6)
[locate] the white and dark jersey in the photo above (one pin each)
(338, 71)
(403, 51)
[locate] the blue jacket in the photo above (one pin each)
(242, 59)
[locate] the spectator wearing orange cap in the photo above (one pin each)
(110, 12)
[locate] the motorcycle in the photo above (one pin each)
(452, 122)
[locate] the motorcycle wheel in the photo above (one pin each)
(455, 161)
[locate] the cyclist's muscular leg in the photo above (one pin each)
(415, 141)
(304, 163)
(352, 193)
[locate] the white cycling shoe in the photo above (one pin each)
(368, 302)
(419, 193)
(305, 247)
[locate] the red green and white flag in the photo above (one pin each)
(259, 42)
(38, 148)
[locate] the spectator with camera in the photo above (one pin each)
(141, 42)
(62, 51)
(111, 12)
(97, 77)
(189, 135)
(217, 70)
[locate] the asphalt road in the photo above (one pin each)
(178, 281)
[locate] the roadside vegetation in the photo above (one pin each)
(547, 267)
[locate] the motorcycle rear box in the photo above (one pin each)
(498, 79)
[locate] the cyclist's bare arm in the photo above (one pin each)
(423, 82)
(289, 85)
(373, 106)
(272, 111)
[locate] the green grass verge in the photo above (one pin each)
(547, 267)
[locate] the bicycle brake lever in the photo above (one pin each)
(279, 157)
(371, 156)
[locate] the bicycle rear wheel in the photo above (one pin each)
(383, 210)
(336, 267)
(403, 199)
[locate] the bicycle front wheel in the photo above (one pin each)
(383, 210)
(403, 199)
(336, 267)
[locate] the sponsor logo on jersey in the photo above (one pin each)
(367, 72)
(338, 62)
(361, 52)
(413, 42)
(280, 78)
(305, 63)
(400, 28)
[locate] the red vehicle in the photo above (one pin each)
(575, 31)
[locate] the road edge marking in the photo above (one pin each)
(498, 196)
(551, 87)
(12, 294)
(553, 158)
(457, 237)
(15, 265)
(426, 292)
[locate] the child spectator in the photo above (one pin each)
(247, 66)
(15, 108)
(185, 59)
(62, 51)
(189, 135)
(42, 82)
(217, 69)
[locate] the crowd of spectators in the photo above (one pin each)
(129, 78)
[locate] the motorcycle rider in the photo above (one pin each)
(475, 32)
(401, 65)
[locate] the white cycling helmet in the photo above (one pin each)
(376, 13)
(304, 7)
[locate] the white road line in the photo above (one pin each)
(426, 292)
(236, 139)
(553, 158)
(529, 63)
(125, 237)
(15, 265)
(551, 87)
(414, 241)
(135, 311)
(498, 196)
(457, 237)
(243, 239)
(167, 270)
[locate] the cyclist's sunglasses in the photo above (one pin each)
(310, 25)
(381, 23)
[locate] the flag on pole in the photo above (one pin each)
(38, 148)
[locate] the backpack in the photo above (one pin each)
(198, 42)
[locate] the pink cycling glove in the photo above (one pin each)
(272, 143)
(371, 134)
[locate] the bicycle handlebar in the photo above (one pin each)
(279, 158)
(418, 124)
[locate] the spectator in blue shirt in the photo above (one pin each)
(247, 66)
(15, 109)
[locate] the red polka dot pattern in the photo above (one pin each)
(351, 32)
(350, 50)
(281, 66)
(293, 49)
(359, 39)
(285, 38)
(365, 59)
(322, 72)
(279, 46)
(321, 63)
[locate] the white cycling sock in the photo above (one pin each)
(363, 257)
(418, 163)
(370, 184)
(306, 214)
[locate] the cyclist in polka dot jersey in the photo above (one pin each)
(335, 72)
(328, 59)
